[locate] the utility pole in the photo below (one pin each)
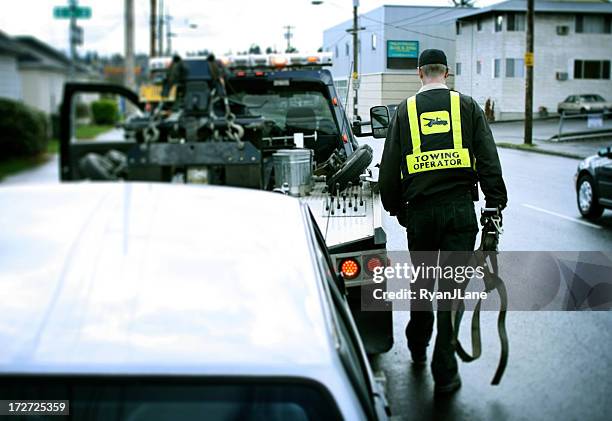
(129, 44)
(288, 36)
(355, 56)
(355, 31)
(169, 35)
(153, 28)
(160, 32)
(529, 61)
(73, 4)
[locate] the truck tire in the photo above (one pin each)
(350, 171)
(587, 198)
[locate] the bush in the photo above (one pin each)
(105, 112)
(23, 130)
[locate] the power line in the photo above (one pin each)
(442, 13)
(409, 30)
(433, 9)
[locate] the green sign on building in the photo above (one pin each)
(67, 12)
(402, 49)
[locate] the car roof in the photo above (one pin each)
(158, 278)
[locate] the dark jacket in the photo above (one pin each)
(397, 187)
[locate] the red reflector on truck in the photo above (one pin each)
(350, 268)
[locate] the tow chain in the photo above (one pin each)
(486, 256)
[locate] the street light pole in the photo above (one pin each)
(355, 55)
(355, 32)
(529, 75)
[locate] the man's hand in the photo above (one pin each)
(491, 214)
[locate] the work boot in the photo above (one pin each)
(447, 387)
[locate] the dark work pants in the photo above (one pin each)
(435, 226)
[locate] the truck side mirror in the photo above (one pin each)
(379, 118)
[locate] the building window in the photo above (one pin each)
(341, 88)
(457, 69)
(346, 49)
(591, 69)
(373, 41)
(458, 27)
(515, 67)
(478, 67)
(479, 25)
(592, 24)
(499, 23)
(496, 67)
(516, 21)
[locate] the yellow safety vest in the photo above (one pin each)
(431, 123)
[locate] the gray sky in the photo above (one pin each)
(223, 25)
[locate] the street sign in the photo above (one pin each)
(77, 35)
(529, 59)
(67, 12)
(402, 49)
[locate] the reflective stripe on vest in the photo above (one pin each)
(436, 122)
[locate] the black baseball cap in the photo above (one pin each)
(432, 56)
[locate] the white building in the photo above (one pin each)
(43, 71)
(389, 47)
(572, 50)
(10, 81)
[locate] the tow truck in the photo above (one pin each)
(271, 122)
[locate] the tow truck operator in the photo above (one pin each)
(428, 179)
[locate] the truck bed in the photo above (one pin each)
(348, 220)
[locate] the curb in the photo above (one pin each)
(535, 149)
(517, 120)
(581, 135)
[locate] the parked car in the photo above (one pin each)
(594, 184)
(162, 302)
(584, 104)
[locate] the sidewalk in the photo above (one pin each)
(510, 135)
(41, 174)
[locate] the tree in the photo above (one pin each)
(254, 49)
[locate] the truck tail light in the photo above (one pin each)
(372, 262)
(350, 268)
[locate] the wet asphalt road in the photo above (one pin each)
(560, 365)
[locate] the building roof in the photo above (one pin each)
(543, 7)
(39, 55)
(155, 278)
(9, 46)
